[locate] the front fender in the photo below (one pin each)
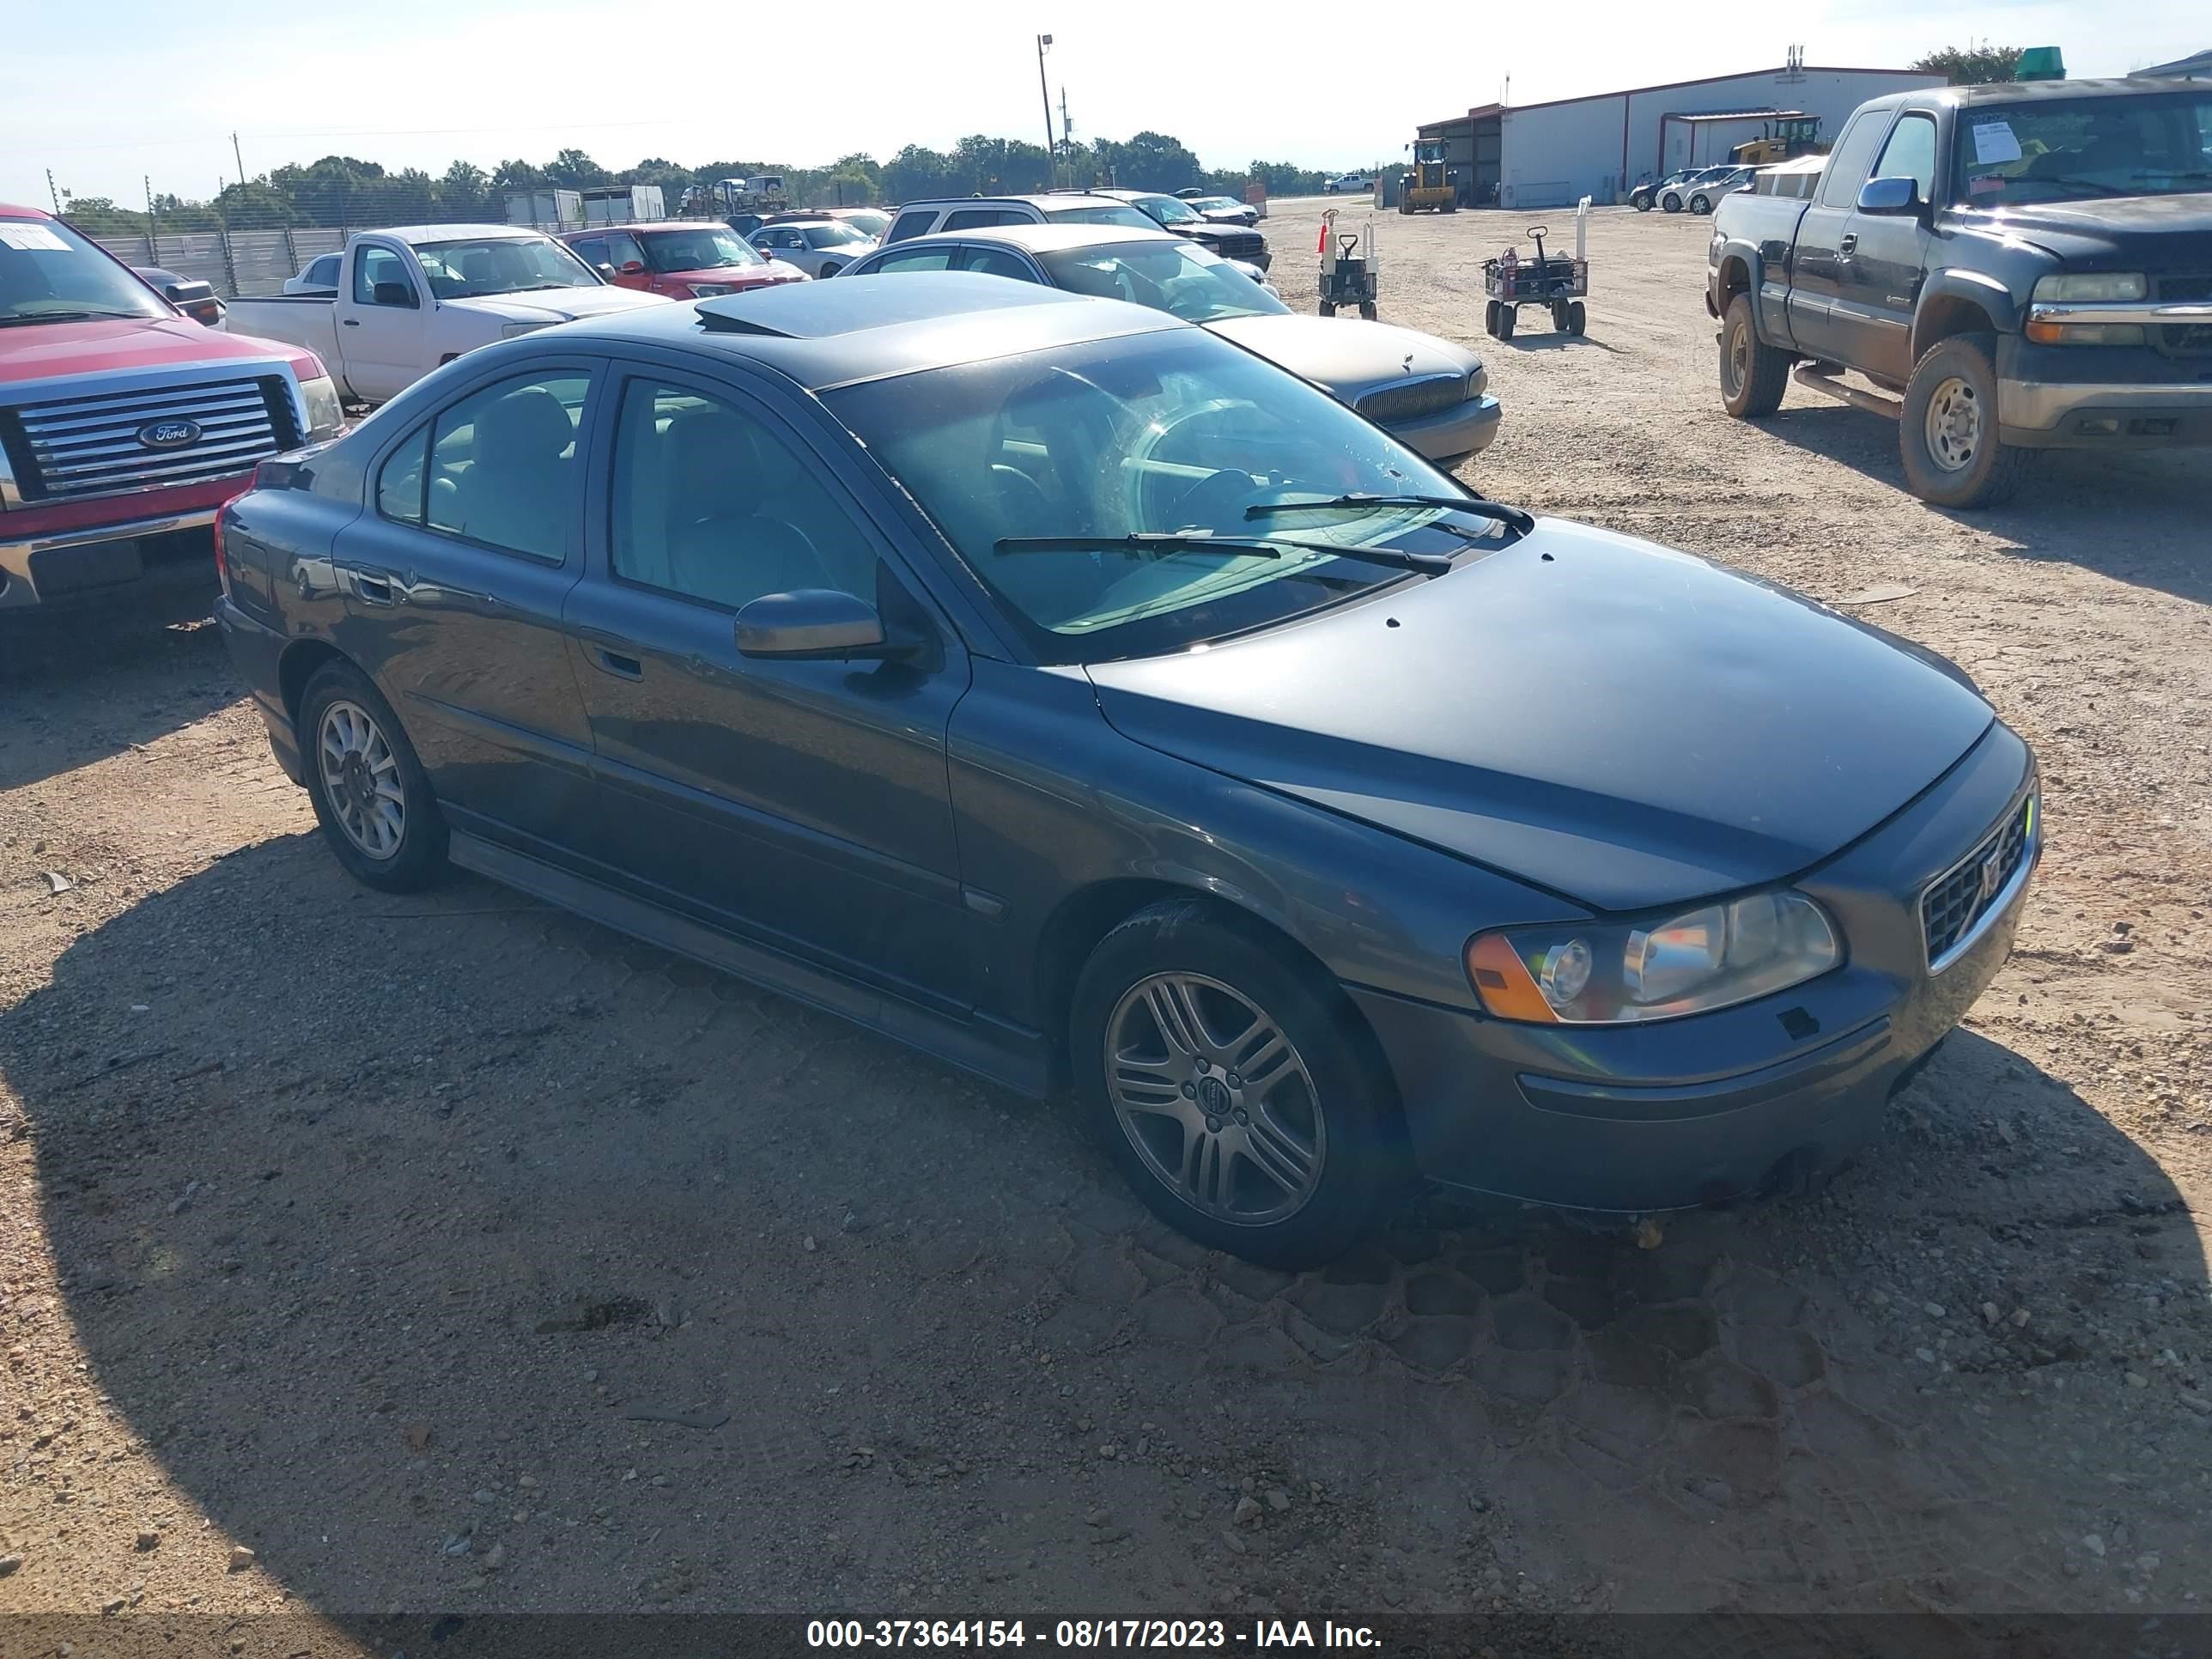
(1951, 289)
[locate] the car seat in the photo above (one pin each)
(722, 546)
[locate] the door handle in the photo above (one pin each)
(622, 667)
(349, 322)
(1848, 246)
(372, 587)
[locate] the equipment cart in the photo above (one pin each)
(1553, 281)
(1348, 277)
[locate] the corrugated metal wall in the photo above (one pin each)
(239, 262)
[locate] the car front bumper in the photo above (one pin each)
(1770, 1095)
(2071, 397)
(1466, 429)
(88, 563)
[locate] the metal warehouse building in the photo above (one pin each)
(1552, 154)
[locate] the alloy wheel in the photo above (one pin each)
(361, 778)
(1215, 1099)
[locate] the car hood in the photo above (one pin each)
(44, 351)
(2134, 233)
(776, 270)
(1622, 724)
(558, 305)
(1349, 357)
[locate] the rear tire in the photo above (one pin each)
(1558, 316)
(1577, 316)
(1949, 434)
(1329, 308)
(1285, 1166)
(1753, 374)
(1367, 309)
(1490, 318)
(1507, 316)
(370, 793)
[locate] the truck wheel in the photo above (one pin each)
(1753, 374)
(1949, 432)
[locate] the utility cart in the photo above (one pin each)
(1348, 277)
(1551, 280)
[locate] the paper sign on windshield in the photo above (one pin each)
(32, 238)
(1995, 141)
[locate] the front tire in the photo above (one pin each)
(829, 270)
(370, 793)
(1949, 434)
(1701, 204)
(1230, 1085)
(1753, 374)
(1670, 202)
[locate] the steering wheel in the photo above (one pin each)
(1139, 485)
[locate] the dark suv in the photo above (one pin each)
(1229, 242)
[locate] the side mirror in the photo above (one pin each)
(813, 623)
(1891, 197)
(393, 294)
(605, 270)
(631, 268)
(185, 294)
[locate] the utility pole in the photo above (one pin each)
(1043, 45)
(153, 227)
(1067, 142)
(53, 192)
(238, 158)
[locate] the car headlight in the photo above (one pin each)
(1478, 381)
(319, 398)
(2088, 288)
(508, 331)
(1712, 956)
(709, 290)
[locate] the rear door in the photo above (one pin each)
(1817, 261)
(383, 341)
(455, 583)
(1879, 284)
(804, 804)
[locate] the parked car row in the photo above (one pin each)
(1696, 190)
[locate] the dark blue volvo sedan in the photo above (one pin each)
(1057, 687)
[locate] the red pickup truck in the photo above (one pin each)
(124, 423)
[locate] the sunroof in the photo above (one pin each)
(845, 305)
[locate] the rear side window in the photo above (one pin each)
(919, 258)
(592, 250)
(996, 262)
(399, 485)
(915, 223)
(974, 218)
(1847, 167)
(503, 463)
(1910, 153)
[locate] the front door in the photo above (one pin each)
(803, 804)
(1881, 283)
(455, 584)
(1818, 261)
(382, 341)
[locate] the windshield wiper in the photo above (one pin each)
(2067, 179)
(15, 318)
(1177, 541)
(1498, 512)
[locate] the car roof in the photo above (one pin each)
(1050, 237)
(864, 328)
(8, 209)
(417, 235)
(2035, 92)
(650, 224)
(1040, 200)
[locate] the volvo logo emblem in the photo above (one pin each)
(1992, 876)
(169, 435)
(1213, 1096)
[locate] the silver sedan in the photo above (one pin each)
(1430, 394)
(820, 248)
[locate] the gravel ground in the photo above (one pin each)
(363, 1256)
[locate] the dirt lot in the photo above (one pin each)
(452, 1254)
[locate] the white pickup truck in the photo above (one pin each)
(410, 299)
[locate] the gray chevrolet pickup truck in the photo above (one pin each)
(2007, 268)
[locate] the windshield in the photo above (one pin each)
(1102, 213)
(1217, 204)
(707, 248)
(868, 221)
(2075, 149)
(1168, 210)
(830, 235)
(1173, 277)
(508, 264)
(49, 273)
(1151, 433)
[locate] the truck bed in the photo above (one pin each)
(1761, 230)
(301, 320)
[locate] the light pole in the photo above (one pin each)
(1051, 157)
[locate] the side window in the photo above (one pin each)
(970, 218)
(374, 265)
(622, 249)
(592, 250)
(916, 222)
(996, 262)
(1847, 166)
(325, 271)
(919, 258)
(710, 504)
(399, 485)
(1910, 153)
(503, 463)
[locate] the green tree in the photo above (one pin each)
(1970, 65)
(574, 170)
(464, 192)
(1150, 161)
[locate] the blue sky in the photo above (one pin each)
(157, 89)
